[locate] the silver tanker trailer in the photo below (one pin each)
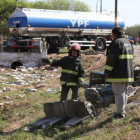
(61, 28)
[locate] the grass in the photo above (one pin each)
(26, 110)
(63, 50)
(102, 127)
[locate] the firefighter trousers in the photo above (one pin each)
(120, 91)
(65, 90)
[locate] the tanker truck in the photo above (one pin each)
(57, 29)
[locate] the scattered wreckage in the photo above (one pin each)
(73, 112)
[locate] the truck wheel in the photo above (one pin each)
(100, 44)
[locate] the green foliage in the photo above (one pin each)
(40, 5)
(8, 6)
(73, 5)
(134, 31)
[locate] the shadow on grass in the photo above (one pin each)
(49, 132)
(66, 134)
(78, 132)
(10, 132)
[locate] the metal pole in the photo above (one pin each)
(116, 11)
(101, 6)
(96, 6)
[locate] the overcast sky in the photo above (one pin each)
(129, 10)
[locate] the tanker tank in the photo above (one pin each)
(59, 29)
(37, 22)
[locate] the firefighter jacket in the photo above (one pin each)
(72, 70)
(119, 61)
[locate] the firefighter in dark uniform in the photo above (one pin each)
(119, 69)
(72, 71)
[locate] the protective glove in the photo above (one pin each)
(46, 60)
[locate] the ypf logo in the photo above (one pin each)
(79, 23)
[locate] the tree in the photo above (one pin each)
(134, 31)
(72, 5)
(8, 6)
(40, 5)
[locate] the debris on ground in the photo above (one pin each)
(45, 79)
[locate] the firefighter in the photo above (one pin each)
(72, 71)
(119, 70)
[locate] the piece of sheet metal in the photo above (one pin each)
(51, 122)
(134, 103)
(55, 109)
(104, 96)
(37, 124)
(96, 78)
(74, 120)
(131, 91)
(74, 110)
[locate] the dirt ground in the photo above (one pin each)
(96, 61)
(91, 61)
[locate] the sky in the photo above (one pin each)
(129, 10)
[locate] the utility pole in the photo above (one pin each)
(116, 11)
(96, 6)
(101, 6)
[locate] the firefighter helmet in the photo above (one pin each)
(75, 46)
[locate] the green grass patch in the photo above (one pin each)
(29, 109)
(63, 50)
(1, 86)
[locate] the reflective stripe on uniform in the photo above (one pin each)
(69, 71)
(126, 56)
(120, 80)
(71, 84)
(108, 67)
(68, 83)
(62, 82)
(81, 79)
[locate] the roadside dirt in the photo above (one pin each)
(90, 62)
